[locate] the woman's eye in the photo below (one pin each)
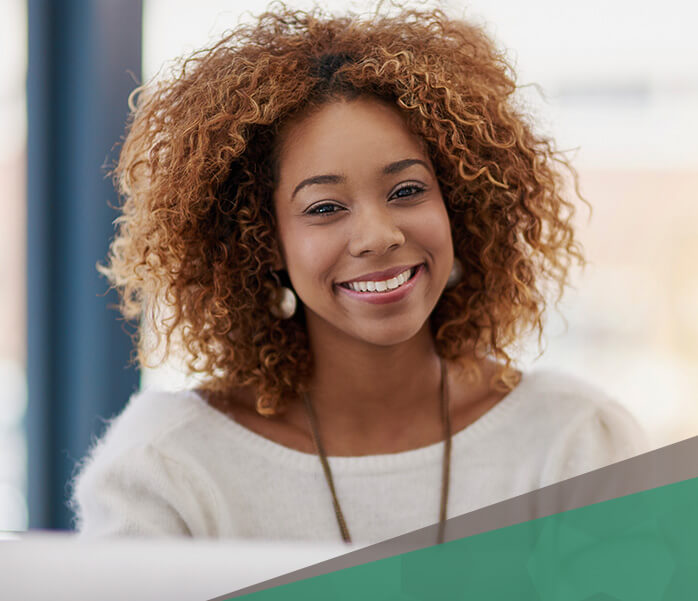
(323, 209)
(327, 209)
(407, 191)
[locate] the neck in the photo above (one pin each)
(371, 399)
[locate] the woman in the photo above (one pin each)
(349, 224)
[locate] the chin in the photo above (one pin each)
(388, 336)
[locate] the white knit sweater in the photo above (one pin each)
(172, 465)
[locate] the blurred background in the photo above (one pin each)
(617, 86)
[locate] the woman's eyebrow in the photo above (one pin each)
(389, 169)
(319, 179)
(398, 166)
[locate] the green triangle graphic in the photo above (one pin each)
(640, 547)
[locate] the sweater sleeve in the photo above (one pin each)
(604, 433)
(140, 492)
(138, 480)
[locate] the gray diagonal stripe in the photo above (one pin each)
(660, 467)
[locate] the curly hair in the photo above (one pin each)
(196, 235)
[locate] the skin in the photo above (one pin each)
(376, 381)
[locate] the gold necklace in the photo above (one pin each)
(445, 472)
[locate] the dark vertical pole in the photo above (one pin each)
(83, 58)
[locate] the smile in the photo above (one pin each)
(381, 285)
(384, 291)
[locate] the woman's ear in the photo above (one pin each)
(279, 262)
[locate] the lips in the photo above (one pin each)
(388, 296)
(377, 276)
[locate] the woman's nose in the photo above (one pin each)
(375, 231)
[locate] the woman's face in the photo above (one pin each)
(357, 195)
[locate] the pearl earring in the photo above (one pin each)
(285, 302)
(456, 273)
(285, 305)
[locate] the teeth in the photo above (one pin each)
(383, 285)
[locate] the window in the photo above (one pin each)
(13, 395)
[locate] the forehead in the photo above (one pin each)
(345, 135)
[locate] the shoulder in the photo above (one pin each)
(550, 385)
(149, 416)
(137, 478)
(564, 398)
(586, 428)
(135, 438)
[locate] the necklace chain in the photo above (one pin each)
(445, 472)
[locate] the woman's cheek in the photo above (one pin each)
(432, 228)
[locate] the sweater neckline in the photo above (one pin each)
(384, 462)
